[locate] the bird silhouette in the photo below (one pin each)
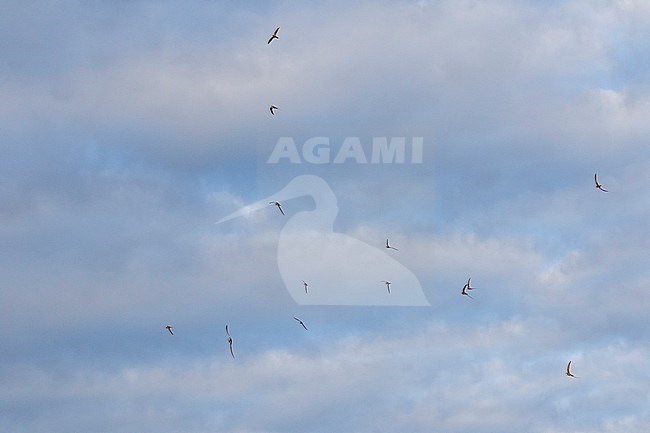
(301, 322)
(169, 328)
(278, 205)
(388, 246)
(598, 186)
(464, 292)
(388, 283)
(230, 341)
(274, 35)
(568, 370)
(273, 107)
(304, 283)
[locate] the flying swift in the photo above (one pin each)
(274, 36)
(278, 205)
(229, 341)
(568, 372)
(464, 292)
(301, 322)
(598, 186)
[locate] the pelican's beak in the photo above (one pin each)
(297, 187)
(246, 210)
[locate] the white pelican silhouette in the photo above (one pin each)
(346, 268)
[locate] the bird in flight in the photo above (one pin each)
(304, 283)
(273, 107)
(229, 341)
(278, 205)
(568, 368)
(274, 36)
(598, 186)
(467, 286)
(169, 328)
(388, 283)
(464, 292)
(388, 246)
(301, 322)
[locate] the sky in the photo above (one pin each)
(129, 128)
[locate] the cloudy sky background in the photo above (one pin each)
(129, 128)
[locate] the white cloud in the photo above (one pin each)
(460, 378)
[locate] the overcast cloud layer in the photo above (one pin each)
(130, 128)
